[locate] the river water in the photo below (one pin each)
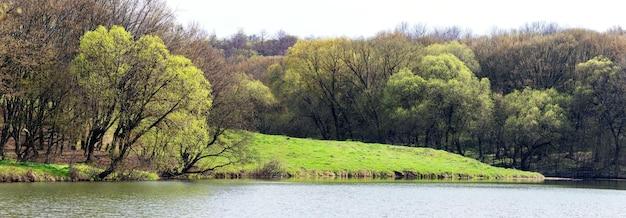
(326, 198)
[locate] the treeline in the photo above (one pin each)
(120, 78)
(540, 97)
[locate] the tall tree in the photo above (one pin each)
(319, 76)
(603, 87)
(31, 63)
(139, 85)
(535, 122)
(370, 63)
(444, 96)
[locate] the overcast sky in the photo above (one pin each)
(334, 18)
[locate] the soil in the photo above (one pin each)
(71, 155)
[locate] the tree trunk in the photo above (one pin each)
(617, 156)
(480, 149)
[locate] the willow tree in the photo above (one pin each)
(129, 87)
(600, 97)
(316, 77)
(535, 122)
(443, 98)
(189, 143)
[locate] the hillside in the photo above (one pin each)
(285, 156)
(281, 156)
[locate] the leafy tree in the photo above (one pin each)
(603, 88)
(101, 69)
(370, 64)
(318, 76)
(139, 85)
(443, 98)
(405, 95)
(459, 50)
(185, 143)
(257, 66)
(535, 121)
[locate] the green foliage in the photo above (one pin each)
(443, 98)
(13, 171)
(253, 90)
(537, 114)
(136, 85)
(600, 101)
(535, 121)
(336, 85)
(461, 51)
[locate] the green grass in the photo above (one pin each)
(315, 158)
(13, 171)
(301, 158)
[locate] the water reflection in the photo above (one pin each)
(589, 183)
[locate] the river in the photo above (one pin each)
(325, 198)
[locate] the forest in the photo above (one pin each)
(121, 83)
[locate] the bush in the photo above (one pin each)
(272, 169)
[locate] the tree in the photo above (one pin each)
(603, 87)
(318, 76)
(101, 68)
(138, 17)
(535, 120)
(27, 68)
(539, 57)
(443, 98)
(186, 143)
(131, 86)
(369, 64)
(43, 38)
(459, 50)
(405, 94)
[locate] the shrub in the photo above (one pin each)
(271, 169)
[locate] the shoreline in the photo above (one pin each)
(562, 179)
(15, 172)
(284, 157)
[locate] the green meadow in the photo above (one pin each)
(280, 156)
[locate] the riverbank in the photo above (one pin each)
(286, 157)
(13, 171)
(280, 156)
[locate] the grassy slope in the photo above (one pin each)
(302, 157)
(306, 157)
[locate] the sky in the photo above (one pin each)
(365, 18)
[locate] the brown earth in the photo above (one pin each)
(72, 155)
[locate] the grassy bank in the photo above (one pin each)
(284, 156)
(280, 156)
(13, 171)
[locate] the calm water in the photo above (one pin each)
(253, 198)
